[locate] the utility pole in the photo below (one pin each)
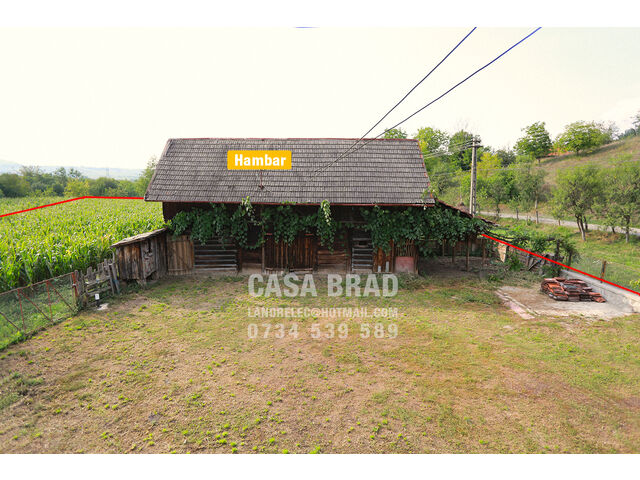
(474, 170)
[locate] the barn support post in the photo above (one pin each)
(466, 260)
(453, 252)
(484, 252)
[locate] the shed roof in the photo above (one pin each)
(383, 171)
(138, 238)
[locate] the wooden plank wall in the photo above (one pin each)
(139, 260)
(334, 260)
(180, 258)
(251, 259)
(129, 261)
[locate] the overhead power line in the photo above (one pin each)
(463, 81)
(346, 152)
(439, 97)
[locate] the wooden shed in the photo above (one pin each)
(142, 257)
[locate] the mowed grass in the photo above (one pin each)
(171, 369)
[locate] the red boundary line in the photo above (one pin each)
(484, 235)
(69, 200)
(561, 264)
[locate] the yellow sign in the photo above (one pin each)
(258, 159)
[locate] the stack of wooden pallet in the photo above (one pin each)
(571, 290)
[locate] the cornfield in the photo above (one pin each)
(56, 240)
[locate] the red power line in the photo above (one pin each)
(561, 264)
(69, 200)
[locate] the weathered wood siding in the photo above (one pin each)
(300, 255)
(142, 258)
(180, 258)
(129, 261)
(335, 259)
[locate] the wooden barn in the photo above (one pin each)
(193, 173)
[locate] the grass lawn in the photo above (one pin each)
(171, 369)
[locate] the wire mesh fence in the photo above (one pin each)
(25, 310)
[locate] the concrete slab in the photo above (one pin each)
(533, 302)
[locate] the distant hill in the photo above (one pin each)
(90, 172)
(6, 166)
(627, 149)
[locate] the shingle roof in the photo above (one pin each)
(384, 171)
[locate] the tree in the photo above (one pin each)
(395, 133)
(101, 185)
(536, 141)
(74, 173)
(13, 185)
(635, 120)
(529, 185)
(460, 150)
(578, 190)
(497, 189)
(580, 136)
(76, 188)
(433, 144)
(142, 182)
(431, 140)
(611, 132)
(506, 156)
(441, 178)
(125, 188)
(622, 194)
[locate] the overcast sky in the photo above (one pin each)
(112, 97)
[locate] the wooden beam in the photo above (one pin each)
(466, 262)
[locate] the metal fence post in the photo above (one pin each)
(21, 312)
(49, 299)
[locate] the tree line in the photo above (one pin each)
(511, 177)
(32, 181)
